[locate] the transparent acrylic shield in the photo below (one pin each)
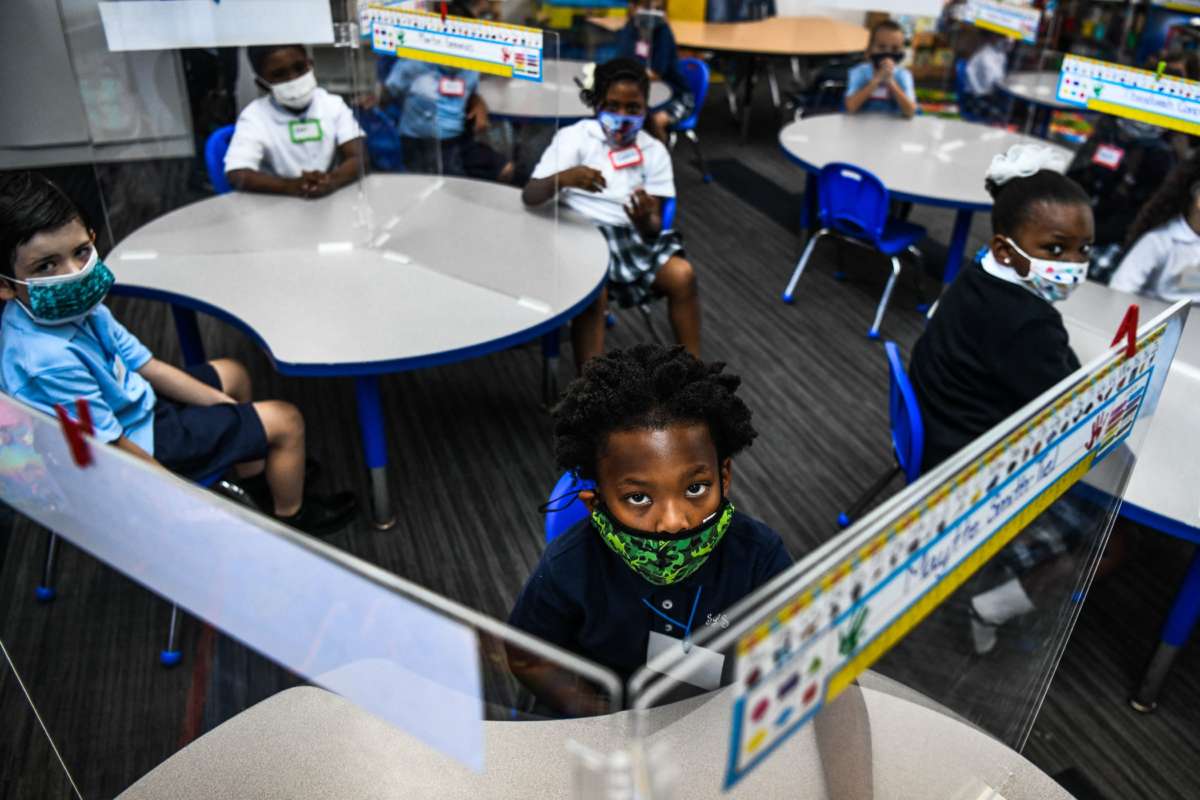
(413, 689)
(871, 651)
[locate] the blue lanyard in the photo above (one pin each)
(687, 629)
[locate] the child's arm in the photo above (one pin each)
(854, 100)
(645, 212)
(251, 180)
(556, 687)
(906, 102)
(319, 184)
(540, 190)
(122, 443)
(175, 384)
(477, 113)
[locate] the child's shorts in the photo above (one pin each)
(633, 265)
(200, 441)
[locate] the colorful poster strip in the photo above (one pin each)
(1186, 6)
(811, 646)
(511, 51)
(1015, 22)
(1162, 100)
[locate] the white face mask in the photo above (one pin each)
(1052, 280)
(297, 93)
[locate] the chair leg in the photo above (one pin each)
(1178, 629)
(45, 591)
(171, 656)
(773, 82)
(808, 248)
(883, 301)
(856, 508)
(695, 142)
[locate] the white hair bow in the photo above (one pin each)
(1023, 160)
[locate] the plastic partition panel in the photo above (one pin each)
(960, 592)
(278, 609)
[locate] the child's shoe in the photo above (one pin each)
(323, 515)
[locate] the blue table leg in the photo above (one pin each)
(958, 243)
(374, 438)
(188, 331)
(1180, 622)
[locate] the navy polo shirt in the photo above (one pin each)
(584, 598)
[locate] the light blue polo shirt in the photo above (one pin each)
(860, 75)
(95, 358)
(427, 113)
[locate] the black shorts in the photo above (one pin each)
(200, 442)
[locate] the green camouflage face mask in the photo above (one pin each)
(664, 561)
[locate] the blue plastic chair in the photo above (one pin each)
(214, 158)
(564, 509)
(908, 434)
(697, 75)
(853, 204)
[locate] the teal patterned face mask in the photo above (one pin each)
(60, 299)
(663, 561)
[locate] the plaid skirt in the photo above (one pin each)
(633, 265)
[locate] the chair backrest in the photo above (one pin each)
(668, 214)
(908, 431)
(564, 508)
(214, 158)
(697, 75)
(852, 201)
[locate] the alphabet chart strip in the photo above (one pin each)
(1162, 100)
(511, 51)
(1015, 22)
(810, 646)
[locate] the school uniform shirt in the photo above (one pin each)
(881, 99)
(584, 144)
(434, 98)
(270, 138)
(584, 598)
(986, 69)
(1163, 263)
(94, 358)
(991, 347)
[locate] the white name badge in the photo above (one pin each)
(628, 157)
(305, 130)
(701, 667)
(642, 49)
(1107, 155)
(452, 87)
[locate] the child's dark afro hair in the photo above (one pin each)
(647, 386)
(615, 71)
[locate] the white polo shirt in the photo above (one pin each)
(269, 138)
(1163, 263)
(584, 144)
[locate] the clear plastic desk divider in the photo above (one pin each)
(945, 610)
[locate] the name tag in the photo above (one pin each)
(305, 130)
(625, 158)
(881, 93)
(700, 667)
(1107, 155)
(642, 49)
(119, 370)
(452, 87)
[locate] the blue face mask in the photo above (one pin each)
(621, 129)
(60, 299)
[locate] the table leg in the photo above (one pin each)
(748, 96)
(958, 243)
(1180, 622)
(188, 331)
(374, 438)
(808, 205)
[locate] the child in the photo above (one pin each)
(882, 84)
(664, 552)
(986, 68)
(286, 143)
(996, 343)
(613, 172)
(647, 37)
(60, 343)
(1163, 260)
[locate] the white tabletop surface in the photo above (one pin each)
(1166, 477)
(308, 743)
(557, 96)
(446, 264)
(927, 159)
(1035, 87)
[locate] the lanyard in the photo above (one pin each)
(687, 629)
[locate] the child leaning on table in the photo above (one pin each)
(60, 343)
(288, 141)
(881, 84)
(613, 172)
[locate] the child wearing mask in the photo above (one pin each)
(986, 68)
(613, 172)
(997, 342)
(663, 550)
(61, 343)
(648, 38)
(1163, 257)
(288, 141)
(881, 84)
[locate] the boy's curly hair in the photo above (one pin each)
(647, 386)
(614, 71)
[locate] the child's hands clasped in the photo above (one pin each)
(586, 178)
(312, 184)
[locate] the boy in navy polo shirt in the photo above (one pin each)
(59, 343)
(663, 551)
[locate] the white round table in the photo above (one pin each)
(929, 160)
(555, 98)
(404, 272)
(1038, 88)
